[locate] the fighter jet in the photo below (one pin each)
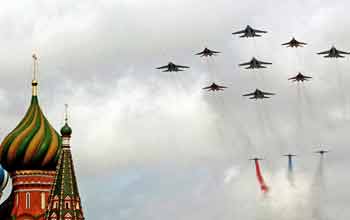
(207, 52)
(171, 67)
(256, 159)
(333, 53)
(321, 152)
(289, 155)
(215, 87)
(249, 32)
(255, 64)
(300, 77)
(258, 94)
(294, 43)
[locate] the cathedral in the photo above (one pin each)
(39, 162)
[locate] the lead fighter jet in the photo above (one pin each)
(171, 67)
(207, 52)
(215, 87)
(249, 32)
(300, 77)
(255, 64)
(294, 43)
(256, 159)
(258, 94)
(333, 53)
(321, 152)
(289, 155)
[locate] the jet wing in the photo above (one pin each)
(307, 77)
(259, 31)
(249, 94)
(268, 93)
(208, 87)
(324, 52)
(292, 78)
(343, 52)
(239, 32)
(201, 53)
(213, 51)
(255, 67)
(222, 87)
(179, 66)
(245, 64)
(286, 43)
(162, 67)
(266, 63)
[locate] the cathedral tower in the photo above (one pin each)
(64, 200)
(30, 154)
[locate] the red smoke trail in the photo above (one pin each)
(263, 186)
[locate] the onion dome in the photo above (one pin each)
(4, 178)
(33, 144)
(66, 130)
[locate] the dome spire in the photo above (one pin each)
(66, 131)
(35, 75)
(66, 113)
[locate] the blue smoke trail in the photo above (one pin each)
(290, 174)
(290, 164)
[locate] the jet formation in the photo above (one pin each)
(294, 43)
(249, 32)
(333, 53)
(214, 87)
(300, 78)
(255, 64)
(258, 94)
(207, 53)
(171, 67)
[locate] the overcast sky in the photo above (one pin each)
(153, 145)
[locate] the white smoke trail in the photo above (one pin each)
(342, 97)
(318, 192)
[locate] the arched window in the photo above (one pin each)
(55, 204)
(67, 204)
(43, 200)
(28, 200)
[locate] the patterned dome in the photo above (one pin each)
(3, 179)
(33, 144)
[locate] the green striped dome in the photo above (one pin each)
(33, 144)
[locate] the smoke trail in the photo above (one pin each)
(268, 126)
(342, 97)
(299, 130)
(290, 175)
(264, 188)
(318, 191)
(290, 164)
